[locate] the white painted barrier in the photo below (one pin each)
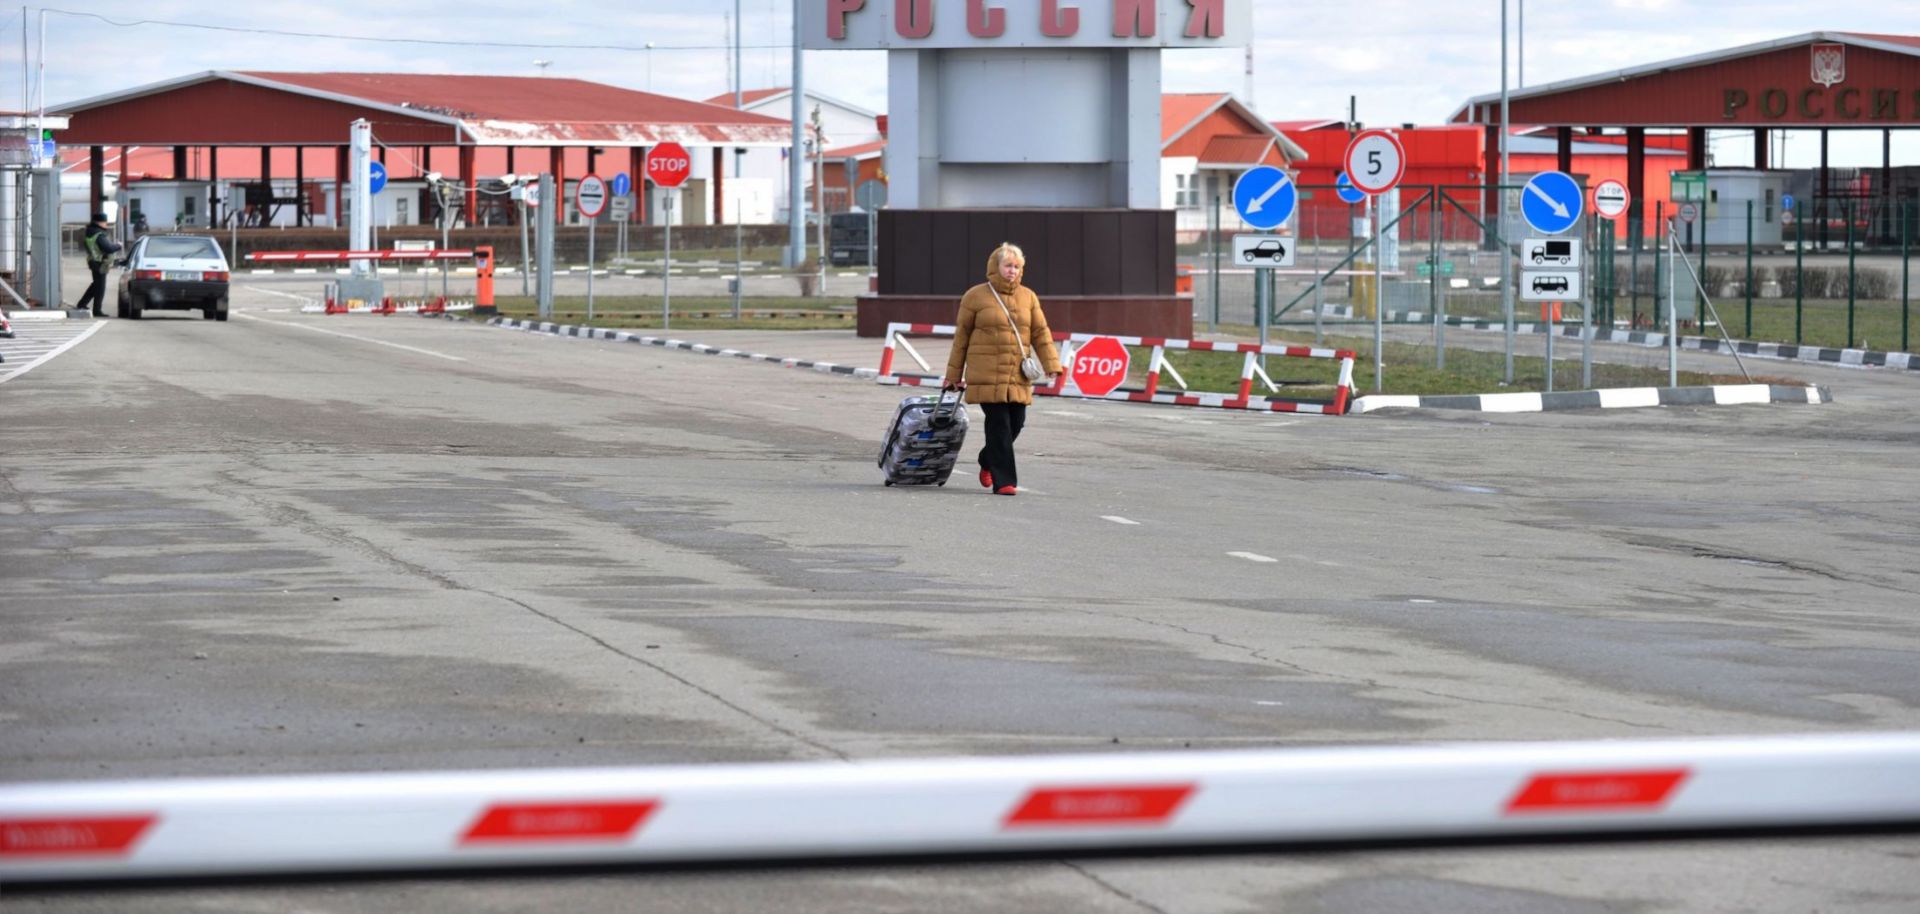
(1076, 803)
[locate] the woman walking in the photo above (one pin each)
(1001, 346)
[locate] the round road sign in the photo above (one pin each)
(1375, 161)
(668, 164)
(1786, 217)
(1552, 202)
(1610, 198)
(1343, 186)
(1264, 197)
(1689, 212)
(1099, 366)
(590, 195)
(532, 193)
(621, 185)
(376, 177)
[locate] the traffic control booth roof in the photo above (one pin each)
(1817, 81)
(222, 108)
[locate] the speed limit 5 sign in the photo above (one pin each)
(1375, 161)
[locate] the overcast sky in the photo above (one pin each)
(1405, 60)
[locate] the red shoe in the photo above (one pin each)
(986, 479)
(1006, 490)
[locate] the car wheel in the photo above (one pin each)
(134, 308)
(219, 311)
(1249, 256)
(120, 305)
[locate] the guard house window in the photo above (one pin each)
(400, 211)
(1767, 208)
(1179, 191)
(1193, 190)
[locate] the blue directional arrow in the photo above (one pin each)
(621, 185)
(1264, 197)
(1348, 193)
(376, 177)
(1552, 202)
(1786, 201)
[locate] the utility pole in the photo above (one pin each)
(796, 203)
(739, 218)
(1506, 167)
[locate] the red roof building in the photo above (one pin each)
(429, 122)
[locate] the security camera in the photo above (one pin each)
(433, 177)
(509, 180)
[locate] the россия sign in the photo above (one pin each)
(912, 24)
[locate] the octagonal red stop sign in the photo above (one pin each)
(668, 164)
(1099, 366)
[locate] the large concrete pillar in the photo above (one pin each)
(300, 186)
(1563, 138)
(213, 187)
(1762, 153)
(1696, 148)
(179, 163)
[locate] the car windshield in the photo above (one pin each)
(182, 247)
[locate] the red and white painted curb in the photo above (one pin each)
(1065, 804)
(1243, 399)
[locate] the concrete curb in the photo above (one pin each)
(1784, 351)
(47, 314)
(622, 336)
(1610, 398)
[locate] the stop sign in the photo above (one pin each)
(1099, 366)
(668, 164)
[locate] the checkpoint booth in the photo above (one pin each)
(1073, 177)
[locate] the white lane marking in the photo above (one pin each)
(363, 339)
(1253, 556)
(42, 360)
(1120, 520)
(303, 299)
(1423, 601)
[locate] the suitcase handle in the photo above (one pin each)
(940, 420)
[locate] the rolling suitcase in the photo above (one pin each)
(923, 442)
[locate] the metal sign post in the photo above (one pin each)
(593, 231)
(1379, 312)
(666, 274)
(544, 189)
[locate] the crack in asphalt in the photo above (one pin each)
(1699, 551)
(1142, 903)
(290, 516)
(1257, 654)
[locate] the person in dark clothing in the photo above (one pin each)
(100, 248)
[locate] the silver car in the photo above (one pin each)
(174, 272)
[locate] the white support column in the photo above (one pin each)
(360, 211)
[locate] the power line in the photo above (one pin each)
(386, 39)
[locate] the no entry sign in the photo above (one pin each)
(668, 164)
(1100, 366)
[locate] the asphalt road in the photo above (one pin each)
(296, 543)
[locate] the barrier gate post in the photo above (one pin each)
(483, 281)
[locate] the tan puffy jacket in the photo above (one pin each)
(985, 347)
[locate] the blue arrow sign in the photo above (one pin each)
(1349, 193)
(1264, 197)
(1786, 201)
(621, 185)
(1551, 202)
(376, 177)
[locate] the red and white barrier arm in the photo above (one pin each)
(896, 335)
(337, 256)
(1343, 386)
(1056, 804)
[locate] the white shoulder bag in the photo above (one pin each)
(1029, 363)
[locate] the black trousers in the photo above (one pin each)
(96, 293)
(1004, 421)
